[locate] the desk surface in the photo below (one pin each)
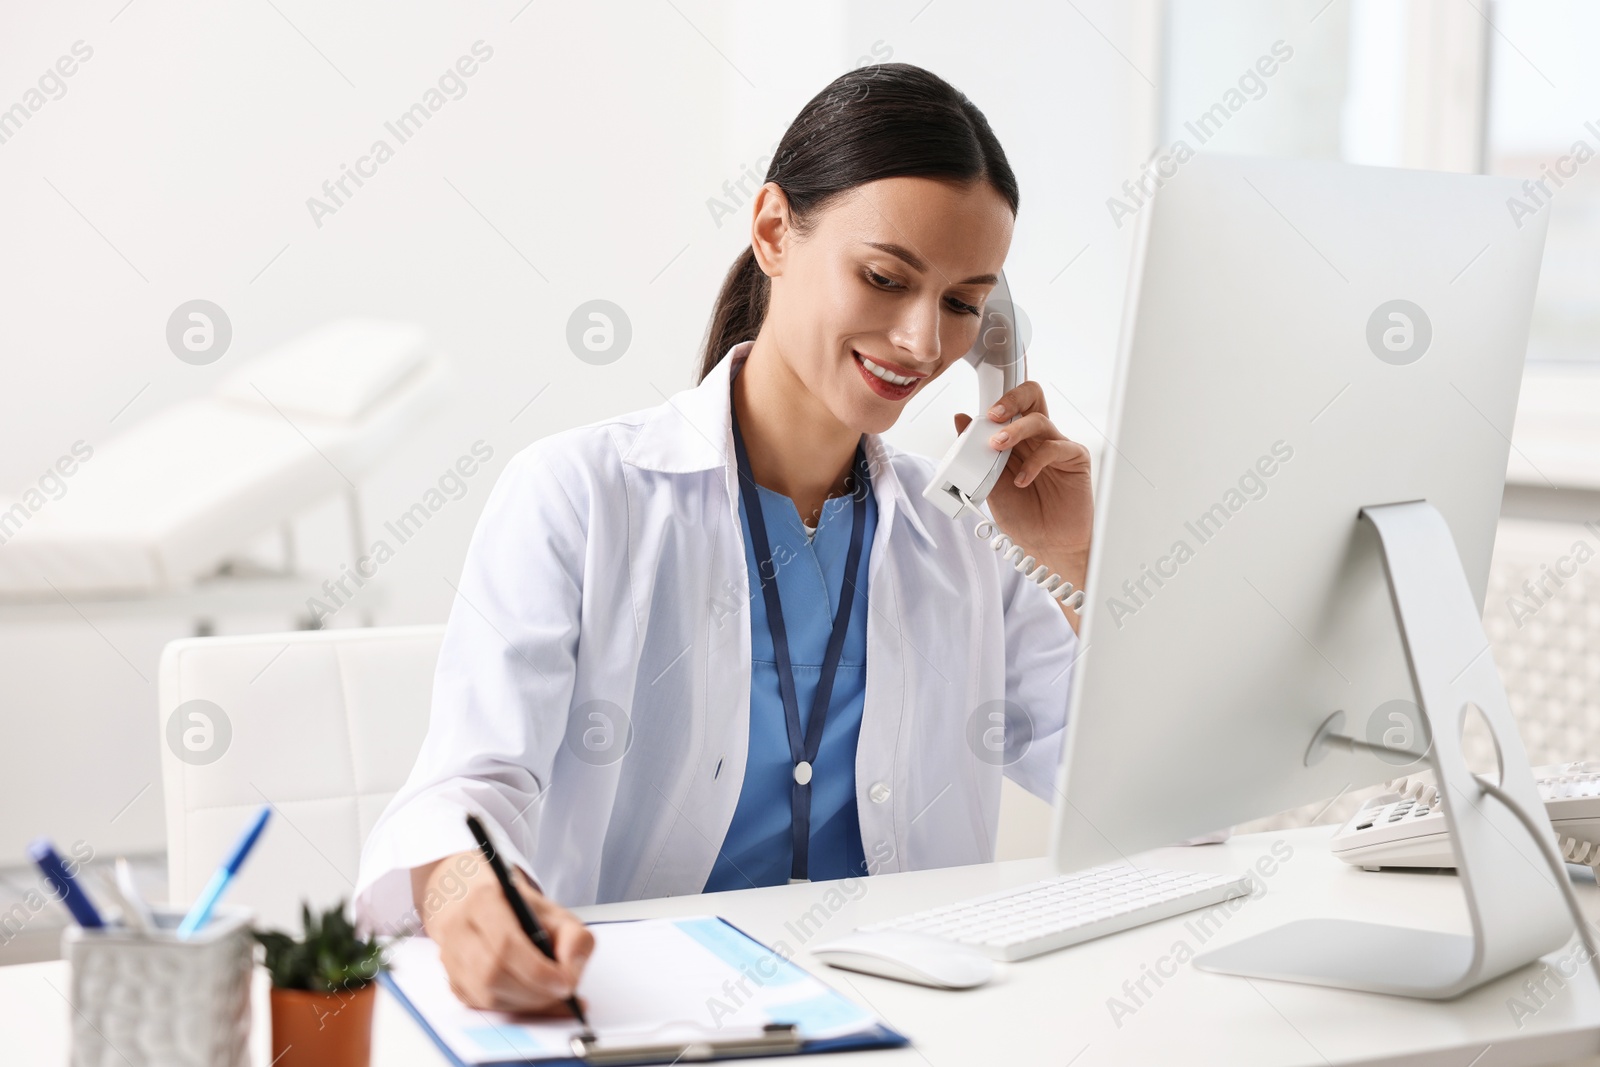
(1058, 1009)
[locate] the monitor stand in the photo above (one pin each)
(1518, 912)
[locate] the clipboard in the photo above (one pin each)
(785, 1009)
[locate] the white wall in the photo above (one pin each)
(577, 165)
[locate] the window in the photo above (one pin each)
(1542, 125)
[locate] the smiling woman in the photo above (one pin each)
(875, 122)
(880, 288)
(771, 723)
(880, 230)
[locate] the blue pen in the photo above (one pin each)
(43, 853)
(200, 913)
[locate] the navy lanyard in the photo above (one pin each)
(802, 751)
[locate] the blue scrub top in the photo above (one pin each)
(759, 846)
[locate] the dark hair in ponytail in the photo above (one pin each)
(884, 120)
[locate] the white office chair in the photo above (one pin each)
(323, 725)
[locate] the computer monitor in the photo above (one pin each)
(1315, 392)
(1301, 339)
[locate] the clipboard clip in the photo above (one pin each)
(773, 1039)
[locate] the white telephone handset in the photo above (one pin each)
(970, 468)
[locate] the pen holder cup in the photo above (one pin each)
(145, 1000)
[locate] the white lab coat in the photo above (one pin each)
(609, 565)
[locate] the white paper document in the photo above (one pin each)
(654, 980)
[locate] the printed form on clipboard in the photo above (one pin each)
(655, 991)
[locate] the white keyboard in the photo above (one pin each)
(1018, 923)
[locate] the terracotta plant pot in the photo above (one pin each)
(322, 1029)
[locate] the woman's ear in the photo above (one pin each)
(770, 228)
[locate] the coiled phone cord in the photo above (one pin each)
(1058, 587)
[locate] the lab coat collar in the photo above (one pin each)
(693, 431)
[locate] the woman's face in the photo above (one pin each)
(893, 274)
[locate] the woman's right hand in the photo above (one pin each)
(490, 962)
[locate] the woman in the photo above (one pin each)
(724, 641)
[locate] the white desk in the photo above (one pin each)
(1054, 1009)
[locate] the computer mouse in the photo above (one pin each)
(908, 957)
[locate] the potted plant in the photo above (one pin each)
(323, 987)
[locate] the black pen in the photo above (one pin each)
(519, 906)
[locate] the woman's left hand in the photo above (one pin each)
(1043, 500)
